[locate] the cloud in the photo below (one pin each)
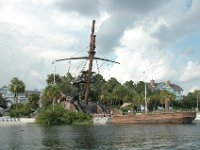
(89, 8)
(29, 42)
(188, 51)
(123, 15)
(138, 52)
(191, 72)
(141, 35)
(192, 89)
(182, 22)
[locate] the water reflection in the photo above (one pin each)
(50, 137)
(100, 137)
(68, 137)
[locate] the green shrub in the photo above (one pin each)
(14, 113)
(57, 115)
(51, 115)
(20, 111)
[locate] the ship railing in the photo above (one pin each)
(185, 110)
(153, 112)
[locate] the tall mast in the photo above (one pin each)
(91, 58)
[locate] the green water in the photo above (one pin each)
(163, 136)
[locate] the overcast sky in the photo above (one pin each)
(159, 37)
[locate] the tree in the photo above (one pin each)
(17, 86)
(50, 94)
(33, 100)
(107, 95)
(165, 97)
(50, 79)
(189, 101)
(129, 91)
(95, 87)
(66, 85)
(2, 102)
(154, 100)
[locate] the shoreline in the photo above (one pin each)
(15, 121)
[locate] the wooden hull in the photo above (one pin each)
(172, 117)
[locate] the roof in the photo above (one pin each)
(156, 86)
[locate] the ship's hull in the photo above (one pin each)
(161, 118)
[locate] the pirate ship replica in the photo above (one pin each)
(85, 105)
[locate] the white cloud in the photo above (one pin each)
(32, 35)
(192, 89)
(142, 37)
(139, 52)
(191, 72)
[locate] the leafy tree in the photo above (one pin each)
(66, 86)
(119, 93)
(189, 101)
(95, 87)
(130, 84)
(139, 87)
(107, 95)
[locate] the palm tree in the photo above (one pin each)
(50, 79)
(50, 94)
(154, 100)
(17, 86)
(165, 97)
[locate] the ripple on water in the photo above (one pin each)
(101, 137)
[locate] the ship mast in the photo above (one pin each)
(91, 58)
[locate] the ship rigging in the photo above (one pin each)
(91, 57)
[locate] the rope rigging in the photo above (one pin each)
(97, 67)
(89, 58)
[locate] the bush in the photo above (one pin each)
(22, 110)
(14, 113)
(57, 116)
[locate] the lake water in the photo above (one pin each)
(135, 136)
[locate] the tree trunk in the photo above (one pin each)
(166, 105)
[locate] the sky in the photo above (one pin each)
(154, 39)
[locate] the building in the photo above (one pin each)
(171, 87)
(10, 97)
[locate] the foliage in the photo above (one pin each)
(189, 101)
(107, 91)
(50, 79)
(17, 86)
(33, 100)
(66, 86)
(50, 94)
(96, 87)
(21, 111)
(63, 86)
(57, 115)
(158, 98)
(2, 102)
